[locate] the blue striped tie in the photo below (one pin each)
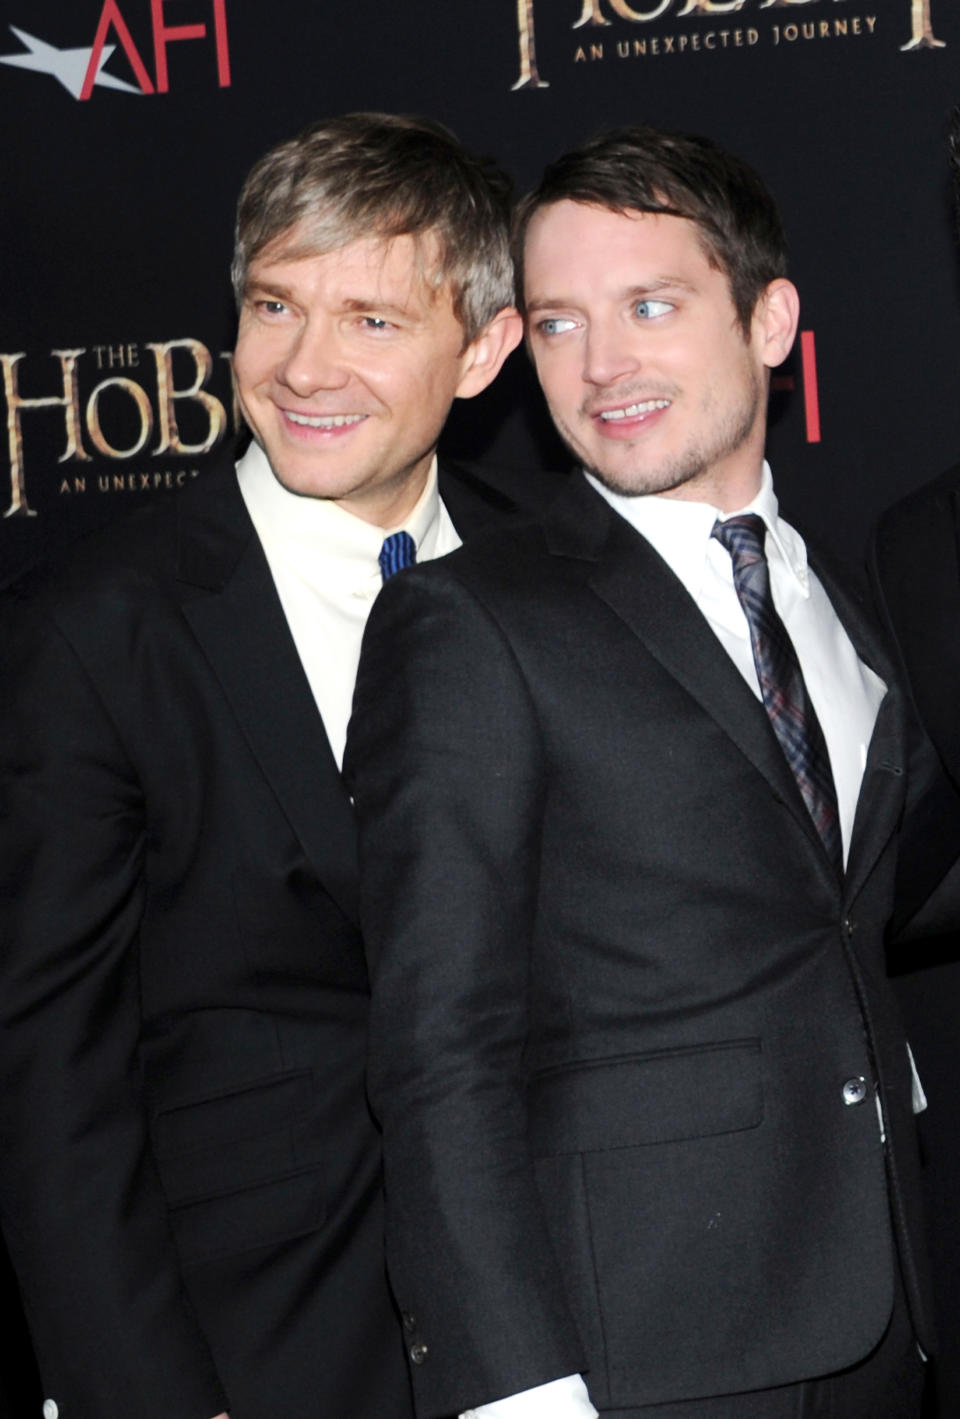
(782, 688)
(398, 551)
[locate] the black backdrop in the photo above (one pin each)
(116, 211)
(128, 125)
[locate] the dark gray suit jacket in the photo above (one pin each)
(618, 989)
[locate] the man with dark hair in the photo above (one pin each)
(628, 784)
(190, 1177)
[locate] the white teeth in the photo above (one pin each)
(632, 410)
(333, 421)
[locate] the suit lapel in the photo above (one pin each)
(640, 588)
(230, 602)
(884, 777)
(644, 593)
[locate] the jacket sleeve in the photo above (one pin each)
(446, 768)
(80, 1201)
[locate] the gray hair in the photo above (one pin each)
(384, 175)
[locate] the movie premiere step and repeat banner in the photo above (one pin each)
(129, 124)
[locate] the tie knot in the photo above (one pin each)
(743, 537)
(398, 551)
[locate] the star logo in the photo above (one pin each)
(68, 66)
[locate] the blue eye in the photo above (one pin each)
(376, 322)
(555, 325)
(649, 310)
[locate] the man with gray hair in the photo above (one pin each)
(190, 1179)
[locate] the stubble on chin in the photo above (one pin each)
(642, 476)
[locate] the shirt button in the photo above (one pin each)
(418, 1353)
(855, 1091)
(50, 1409)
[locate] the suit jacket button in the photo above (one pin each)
(418, 1353)
(409, 1321)
(855, 1091)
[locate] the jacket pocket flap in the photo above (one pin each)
(256, 1108)
(634, 1100)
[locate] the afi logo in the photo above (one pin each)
(80, 70)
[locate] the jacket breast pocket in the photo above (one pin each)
(243, 1168)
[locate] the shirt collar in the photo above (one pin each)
(316, 538)
(679, 529)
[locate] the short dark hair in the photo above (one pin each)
(384, 175)
(645, 169)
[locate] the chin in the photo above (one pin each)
(643, 481)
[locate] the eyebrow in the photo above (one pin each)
(263, 287)
(258, 286)
(371, 303)
(638, 292)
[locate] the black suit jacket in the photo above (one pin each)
(916, 561)
(190, 1178)
(618, 989)
(915, 569)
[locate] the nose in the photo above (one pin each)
(608, 353)
(313, 361)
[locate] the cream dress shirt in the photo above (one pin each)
(324, 564)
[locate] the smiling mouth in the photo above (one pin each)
(634, 411)
(323, 421)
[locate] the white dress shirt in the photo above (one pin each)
(324, 563)
(846, 695)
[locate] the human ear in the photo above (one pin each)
(775, 321)
(483, 358)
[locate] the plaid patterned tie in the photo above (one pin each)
(398, 551)
(782, 687)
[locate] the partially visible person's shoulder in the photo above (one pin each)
(931, 499)
(134, 557)
(128, 547)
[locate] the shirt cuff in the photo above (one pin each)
(560, 1399)
(919, 1097)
